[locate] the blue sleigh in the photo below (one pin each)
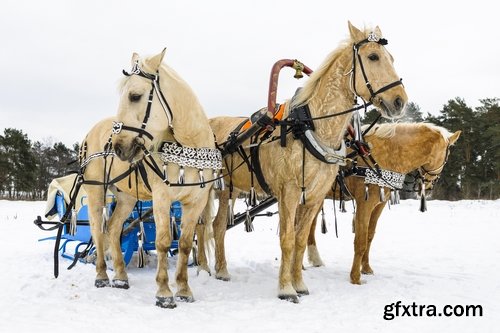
(138, 234)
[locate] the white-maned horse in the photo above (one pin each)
(161, 131)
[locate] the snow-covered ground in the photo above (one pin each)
(449, 255)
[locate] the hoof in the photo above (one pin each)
(289, 298)
(121, 284)
(185, 299)
(301, 293)
(223, 278)
(101, 283)
(356, 278)
(367, 271)
(165, 302)
(203, 269)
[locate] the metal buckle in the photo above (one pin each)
(117, 127)
(373, 37)
(136, 69)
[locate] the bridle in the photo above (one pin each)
(434, 174)
(155, 89)
(372, 37)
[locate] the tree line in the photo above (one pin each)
(27, 168)
(472, 170)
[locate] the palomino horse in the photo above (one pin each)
(360, 67)
(159, 122)
(398, 149)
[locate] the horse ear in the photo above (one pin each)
(377, 31)
(155, 61)
(135, 58)
(356, 34)
(454, 137)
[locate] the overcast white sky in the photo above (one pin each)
(60, 61)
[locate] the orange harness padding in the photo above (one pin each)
(277, 117)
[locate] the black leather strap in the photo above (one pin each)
(254, 154)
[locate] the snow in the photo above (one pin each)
(448, 255)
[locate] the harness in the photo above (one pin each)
(301, 124)
(169, 152)
(395, 181)
(372, 37)
(155, 88)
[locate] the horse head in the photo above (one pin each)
(432, 169)
(143, 113)
(373, 77)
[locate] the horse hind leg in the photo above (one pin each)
(303, 222)
(312, 250)
(219, 229)
(204, 234)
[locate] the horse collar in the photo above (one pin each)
(303, 129)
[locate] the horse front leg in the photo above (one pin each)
(124, 206)
(95, 197)
(288, 201)
(365, 262)
(303, 222)
(190, 214)
(361, 220)
(161, 211)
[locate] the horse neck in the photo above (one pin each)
(333, 95)
(190, 124)
(400, 153)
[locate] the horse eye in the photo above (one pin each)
(134, 97)
(373, 57)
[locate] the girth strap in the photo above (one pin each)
(144, 175)
(254, 154)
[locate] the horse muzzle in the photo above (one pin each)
(391, 108)
(127, 152)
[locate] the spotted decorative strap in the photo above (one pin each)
(390, 179)
(200, 158)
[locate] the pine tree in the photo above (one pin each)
(18, 163)
(488, 146)
(460, 178)
(53, 161)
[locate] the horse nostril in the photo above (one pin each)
(398, 103)
(118, 150)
